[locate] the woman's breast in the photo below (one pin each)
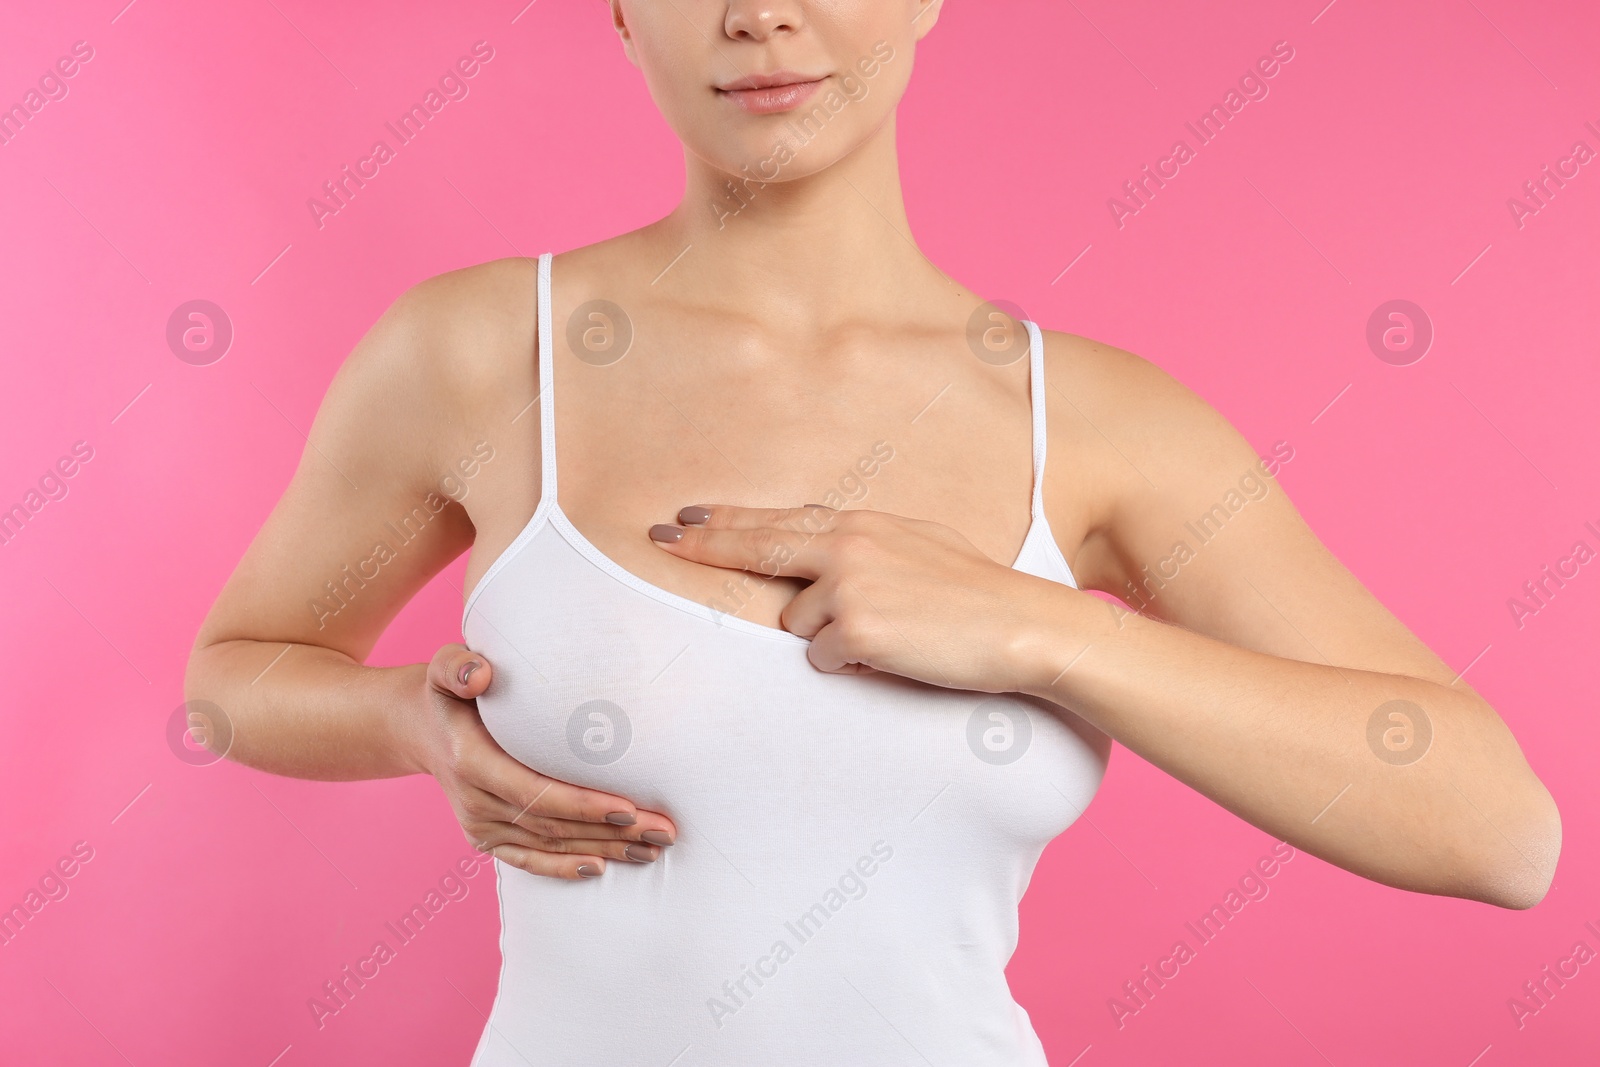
(600, 685)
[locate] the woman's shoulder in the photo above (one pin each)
(475, 309)
(1134, 437)
(466, 334)
(1105, 388)
(450, 359)
(463, 310)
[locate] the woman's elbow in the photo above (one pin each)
(1525, 864)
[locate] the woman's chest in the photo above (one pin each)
(599, 684)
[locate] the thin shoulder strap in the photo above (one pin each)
(547, 390)
(1036, 394)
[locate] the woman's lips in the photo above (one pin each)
(774, 99)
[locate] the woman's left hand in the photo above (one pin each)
(887, 593)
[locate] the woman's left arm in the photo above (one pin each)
(1260, 671)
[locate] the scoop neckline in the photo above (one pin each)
(549, 508)
(559, 518)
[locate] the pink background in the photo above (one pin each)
(218, 900)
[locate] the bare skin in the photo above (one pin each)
(766, 361)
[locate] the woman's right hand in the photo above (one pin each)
(508, 810)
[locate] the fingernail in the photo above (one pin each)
(662, 531)
(467, 669)
(588, 870)
(693, 515)
(621, 818)
(638, 854)
(657, 837)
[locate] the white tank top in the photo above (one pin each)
(851, 849)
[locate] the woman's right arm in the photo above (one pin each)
(372, 513)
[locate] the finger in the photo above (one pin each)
(483, 814)
(529, 792)
(550, 827)
(459, 671)
(766, 541)
(813, 613)
(486, 837)
(807, 518)
(830, 651)
(809, 610)
(549, 864)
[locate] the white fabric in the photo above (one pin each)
(851, 848)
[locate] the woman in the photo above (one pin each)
(788, 645)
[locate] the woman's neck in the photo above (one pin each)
(828, 248)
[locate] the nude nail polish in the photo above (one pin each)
(693, 515)
(656, 837)
(621, 818)
(662, 531)
(638, 854)
(588, 870)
